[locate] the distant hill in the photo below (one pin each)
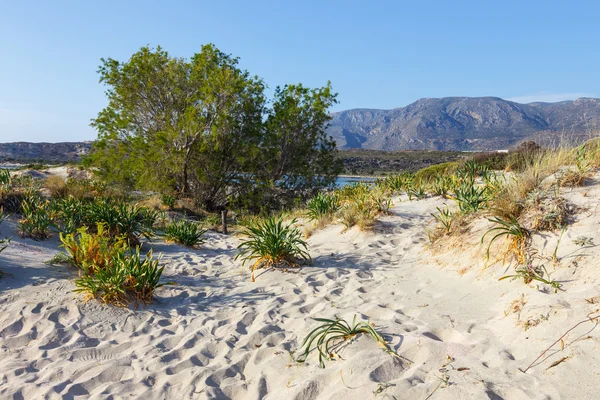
(463, 124)
(446, 124)
(46, 152)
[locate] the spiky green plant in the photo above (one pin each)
(123, 219)
(322, 205)
(441, 185)
(125, 279)
(168, 200)
(517, 235)
(415, 189)
(529, 273)
(470, 197)
(272, 243)
(444, 217)
(331, 334)
(187, 233)
(69, 214)
(37, 218)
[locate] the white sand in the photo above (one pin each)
(217, 335)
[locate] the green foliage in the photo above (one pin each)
(68, 214)
(37, 218)
(322, 205)
(271, 243)
(213, 136)
(518, 236)
(122, 219)
(124, 279)
(445, 218)
(416, 189)
(5, 178)
(432, 172)
(168, 200)
(332, 334)
(529, 273)
(187, 233)
(470, 197)
(92, 252)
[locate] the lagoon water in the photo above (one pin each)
(350, 180)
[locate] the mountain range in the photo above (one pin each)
(464, 124)
(447, 124)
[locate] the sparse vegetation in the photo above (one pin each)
(518, 237)
(185, 232)
(124, 279)
(92, 251)
(332, 334)
(273, 243)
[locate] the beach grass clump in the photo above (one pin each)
(69, 213)
(125, 279)
(56, 186)
(123, 219)
(92, 251)
(445, 218)
(322, 206)
(518, 237)
(185, 232)
(36, 218)
(273, 243)
(470, 196)
(332, 334)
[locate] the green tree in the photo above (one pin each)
(300, 157)
(201, 127)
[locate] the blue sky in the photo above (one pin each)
(378, 54)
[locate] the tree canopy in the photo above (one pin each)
(204, 128)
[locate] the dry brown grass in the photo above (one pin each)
(56, 186)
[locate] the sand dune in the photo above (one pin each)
(462, 333)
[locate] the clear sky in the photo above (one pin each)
(377, 54)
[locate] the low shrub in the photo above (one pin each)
(37, 218)
(123, 219)
(168, 201)
(322, 206)
(123, 280)
(272, 243)
(430, 173)
(91, 251)
(187, 233)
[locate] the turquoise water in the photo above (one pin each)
(349, 180)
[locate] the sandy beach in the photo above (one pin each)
(461, 333)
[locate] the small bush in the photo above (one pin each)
(168, 201)
(430, 173)
(122, 219)
(125, 279)
(470, 197)
(273, 244)
(37, 218)
(92, 252)
(322, 206)
(187, 233)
